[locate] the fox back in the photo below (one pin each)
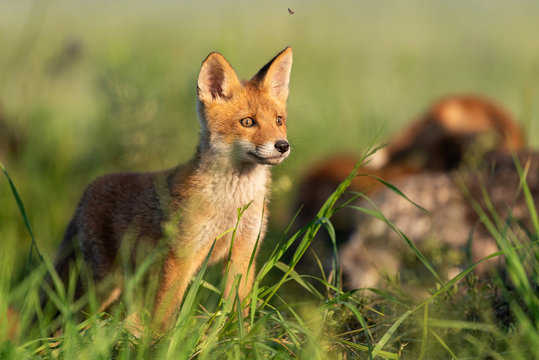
(451, 131)
(243, 133)
(456, 131)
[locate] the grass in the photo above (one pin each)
(455, 321)
(82, 97)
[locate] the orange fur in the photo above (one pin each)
(448, 131)
(438, 140)
(443, 138)
(243, 132)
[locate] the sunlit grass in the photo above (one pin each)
(454, 321)
(92, 88)
(89, 97)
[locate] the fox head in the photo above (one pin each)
(245, 120)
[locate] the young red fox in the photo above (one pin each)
(452, 133)
(243, 133)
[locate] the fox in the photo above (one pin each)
(450, 131)
(439, 140)
(442, 139)
(453, 222)
(243, 134)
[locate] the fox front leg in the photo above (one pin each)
(241, 264)
(175, 276)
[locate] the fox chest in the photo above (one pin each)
(234, 228)
(228, 214)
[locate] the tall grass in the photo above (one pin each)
(273, 328)
(456, 321)
(90, 88)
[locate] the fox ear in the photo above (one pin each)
(275, 75)
(217, 78)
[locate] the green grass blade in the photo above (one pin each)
(23, 214)
(380, 216)
(361, 320)
(397, 191)
(425, 331)
(297, 278)
(527, 193)
(444, 345)
(383, 341)
(383, 354)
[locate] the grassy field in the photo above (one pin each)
(91, 88)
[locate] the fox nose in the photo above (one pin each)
(282, 146)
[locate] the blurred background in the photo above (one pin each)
(88, 88)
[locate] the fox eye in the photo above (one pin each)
(279, 120)
(247, 122)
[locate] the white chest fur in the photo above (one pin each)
(214, 208)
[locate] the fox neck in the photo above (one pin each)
(237, 181)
